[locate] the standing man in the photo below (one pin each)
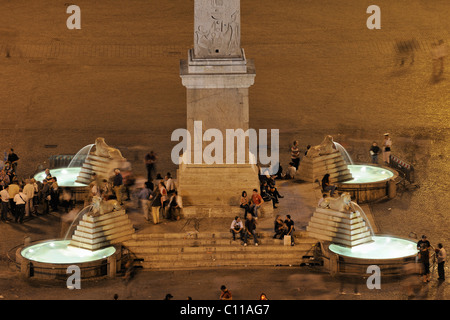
(250, 229)
(295, 154)
(13, 159)
(13, 189)
(441, 258)
(150, 161)
(4, 195)
(257, 201)
(45, 196)
(117, 185)
(387, 145)
(20, 200)
(374, 152)
(29, 192)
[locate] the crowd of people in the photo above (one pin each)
(22, 198)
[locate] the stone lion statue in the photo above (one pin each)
(342, 204)
(100, 206)
(103, 150)
(326, 147)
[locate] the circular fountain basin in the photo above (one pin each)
(389, 253)
(381, 248)
(50, 259)
(369, 183)
(65, 177)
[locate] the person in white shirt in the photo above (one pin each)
(441, 258)
(4, 195)
(291, 171)
(237, 227)
(387, 145)
(29, 192)
(20, 200)
(168, 182)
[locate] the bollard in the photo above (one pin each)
(112, 266)
(392, 189)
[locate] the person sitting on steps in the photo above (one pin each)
(327, 186)
(279, 227)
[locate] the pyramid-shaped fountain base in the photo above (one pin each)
(98, 232)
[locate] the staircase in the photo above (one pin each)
(216, 249)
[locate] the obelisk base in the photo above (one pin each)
(215, 190)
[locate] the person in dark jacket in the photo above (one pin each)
(250, 229)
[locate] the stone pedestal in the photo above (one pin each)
(102, 166)
(94, 233)
(345, 228)
(313, 169)
(217, 77)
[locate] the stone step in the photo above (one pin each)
(250, 252)
(96, 246)
(206, 242)
(336, 224)
(89, 228)
(107, 238)
(93, 157)
(301, 235)
(344, 221)
(339, 240)
(361, 233)
(104, 217)
(234, 246)
(331, 212)
(336, 229)
(117, 229)
(183, 264)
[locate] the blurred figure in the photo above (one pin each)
(295, 154)
(29, 192)
(405, 51)
(327, 186)
(374, 152)
(438, 51)
(441, 258)
(66, 199)
(143, 196)
(387, 145)
(13, 159)
(424, 258)
(291, 171)
(150, 164)
(118, 185)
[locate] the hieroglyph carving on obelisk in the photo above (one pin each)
(217, 29)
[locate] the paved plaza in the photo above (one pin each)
(319, 71)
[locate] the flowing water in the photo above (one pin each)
(80, 214)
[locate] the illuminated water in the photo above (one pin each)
(381, 248)
(65, 176)
(368, 174)
(59, 252)
(81, 156)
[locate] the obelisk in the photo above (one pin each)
(217, 77)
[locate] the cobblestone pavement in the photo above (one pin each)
(319, 71)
